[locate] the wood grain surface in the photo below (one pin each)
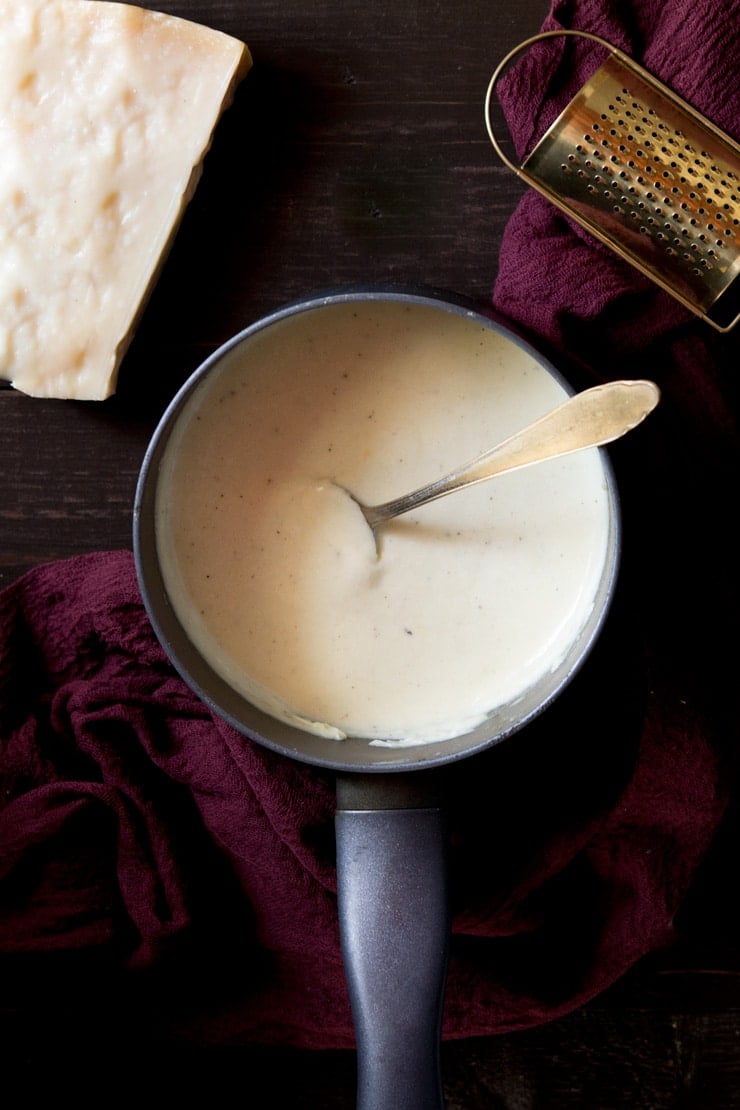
(355, 151)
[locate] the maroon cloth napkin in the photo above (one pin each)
(152, 857)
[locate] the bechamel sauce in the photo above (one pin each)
(273, 570)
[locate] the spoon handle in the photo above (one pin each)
(590, 418)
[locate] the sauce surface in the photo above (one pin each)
(274, 573)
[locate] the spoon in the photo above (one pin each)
(588, 419)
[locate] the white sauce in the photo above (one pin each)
(274, 573)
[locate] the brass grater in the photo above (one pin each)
(648, 175)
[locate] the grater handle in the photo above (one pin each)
(506, 62)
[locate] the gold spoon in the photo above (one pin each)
(588, 419)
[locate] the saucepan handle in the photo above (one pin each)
(394, 928)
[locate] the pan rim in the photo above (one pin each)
(354, 754)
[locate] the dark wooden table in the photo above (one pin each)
(355, 151)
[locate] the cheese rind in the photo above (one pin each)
(106, 113)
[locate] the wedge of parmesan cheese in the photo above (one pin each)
(106, 113)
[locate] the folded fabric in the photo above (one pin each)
(149, 853)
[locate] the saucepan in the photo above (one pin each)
(391, 836)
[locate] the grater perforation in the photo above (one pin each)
(650, 177)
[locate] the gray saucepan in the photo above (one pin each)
(390, 823)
